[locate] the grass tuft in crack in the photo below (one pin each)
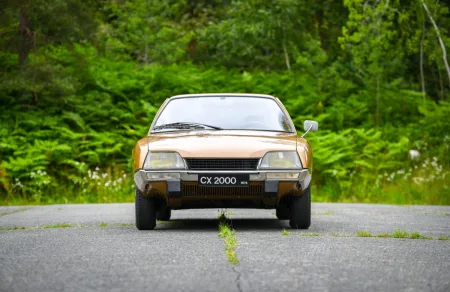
(400, 234)
(48, 226)
(229, 237)
(58, 225)
(15, 211)
(12, 228)
(285, 232)
(417, 235)
(222, 217)
(309, 234)
(364, 234)
(443, 238)
(103, 224)
(395, 234)
(383, 235)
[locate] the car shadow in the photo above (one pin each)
(241, 224)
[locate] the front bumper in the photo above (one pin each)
(146, 179)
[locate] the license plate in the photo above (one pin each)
(223, 180)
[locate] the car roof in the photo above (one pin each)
(223, 94)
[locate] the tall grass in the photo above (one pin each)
(97, 186)
(423, 183)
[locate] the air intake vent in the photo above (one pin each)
(222, 163)
(194, 190)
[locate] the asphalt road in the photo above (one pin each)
(103, 251)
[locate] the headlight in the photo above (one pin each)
(281, 160)
(163, 160)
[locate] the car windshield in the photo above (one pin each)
(224, 113)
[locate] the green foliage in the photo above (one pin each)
(92, 75)
(285, 232)
(58, 225)
(364, 234)
(145, 31)
(228, 234)
(396, 234)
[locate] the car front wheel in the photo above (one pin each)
(164, 214)
(300, 211)
(145, 212)
(282, 212)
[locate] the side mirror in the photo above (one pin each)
(310, 126)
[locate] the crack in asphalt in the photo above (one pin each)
(14, 211)
(238, 279)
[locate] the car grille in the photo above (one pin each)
(194, 190)
(222, 163)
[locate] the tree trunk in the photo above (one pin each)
(320, 31)
(422, 75)
(377, 101)
(441, 42)
(25, 39)
(441, 84)
(146, 32)
(286, 55)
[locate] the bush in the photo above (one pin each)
(54, 138)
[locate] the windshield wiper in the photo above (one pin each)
(185, 125)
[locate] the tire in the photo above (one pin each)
(282, 212)
(300, 211)
(164, 214)
(145, 212)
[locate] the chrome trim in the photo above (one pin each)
(195, 170)
(141, 178)
(306, 132)
(258, 166)
(191, 171)
(222, 94)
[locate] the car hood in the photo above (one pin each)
(223, 143)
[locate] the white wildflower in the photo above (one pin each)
(414, 154)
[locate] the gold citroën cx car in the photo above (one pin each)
(223, 151)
